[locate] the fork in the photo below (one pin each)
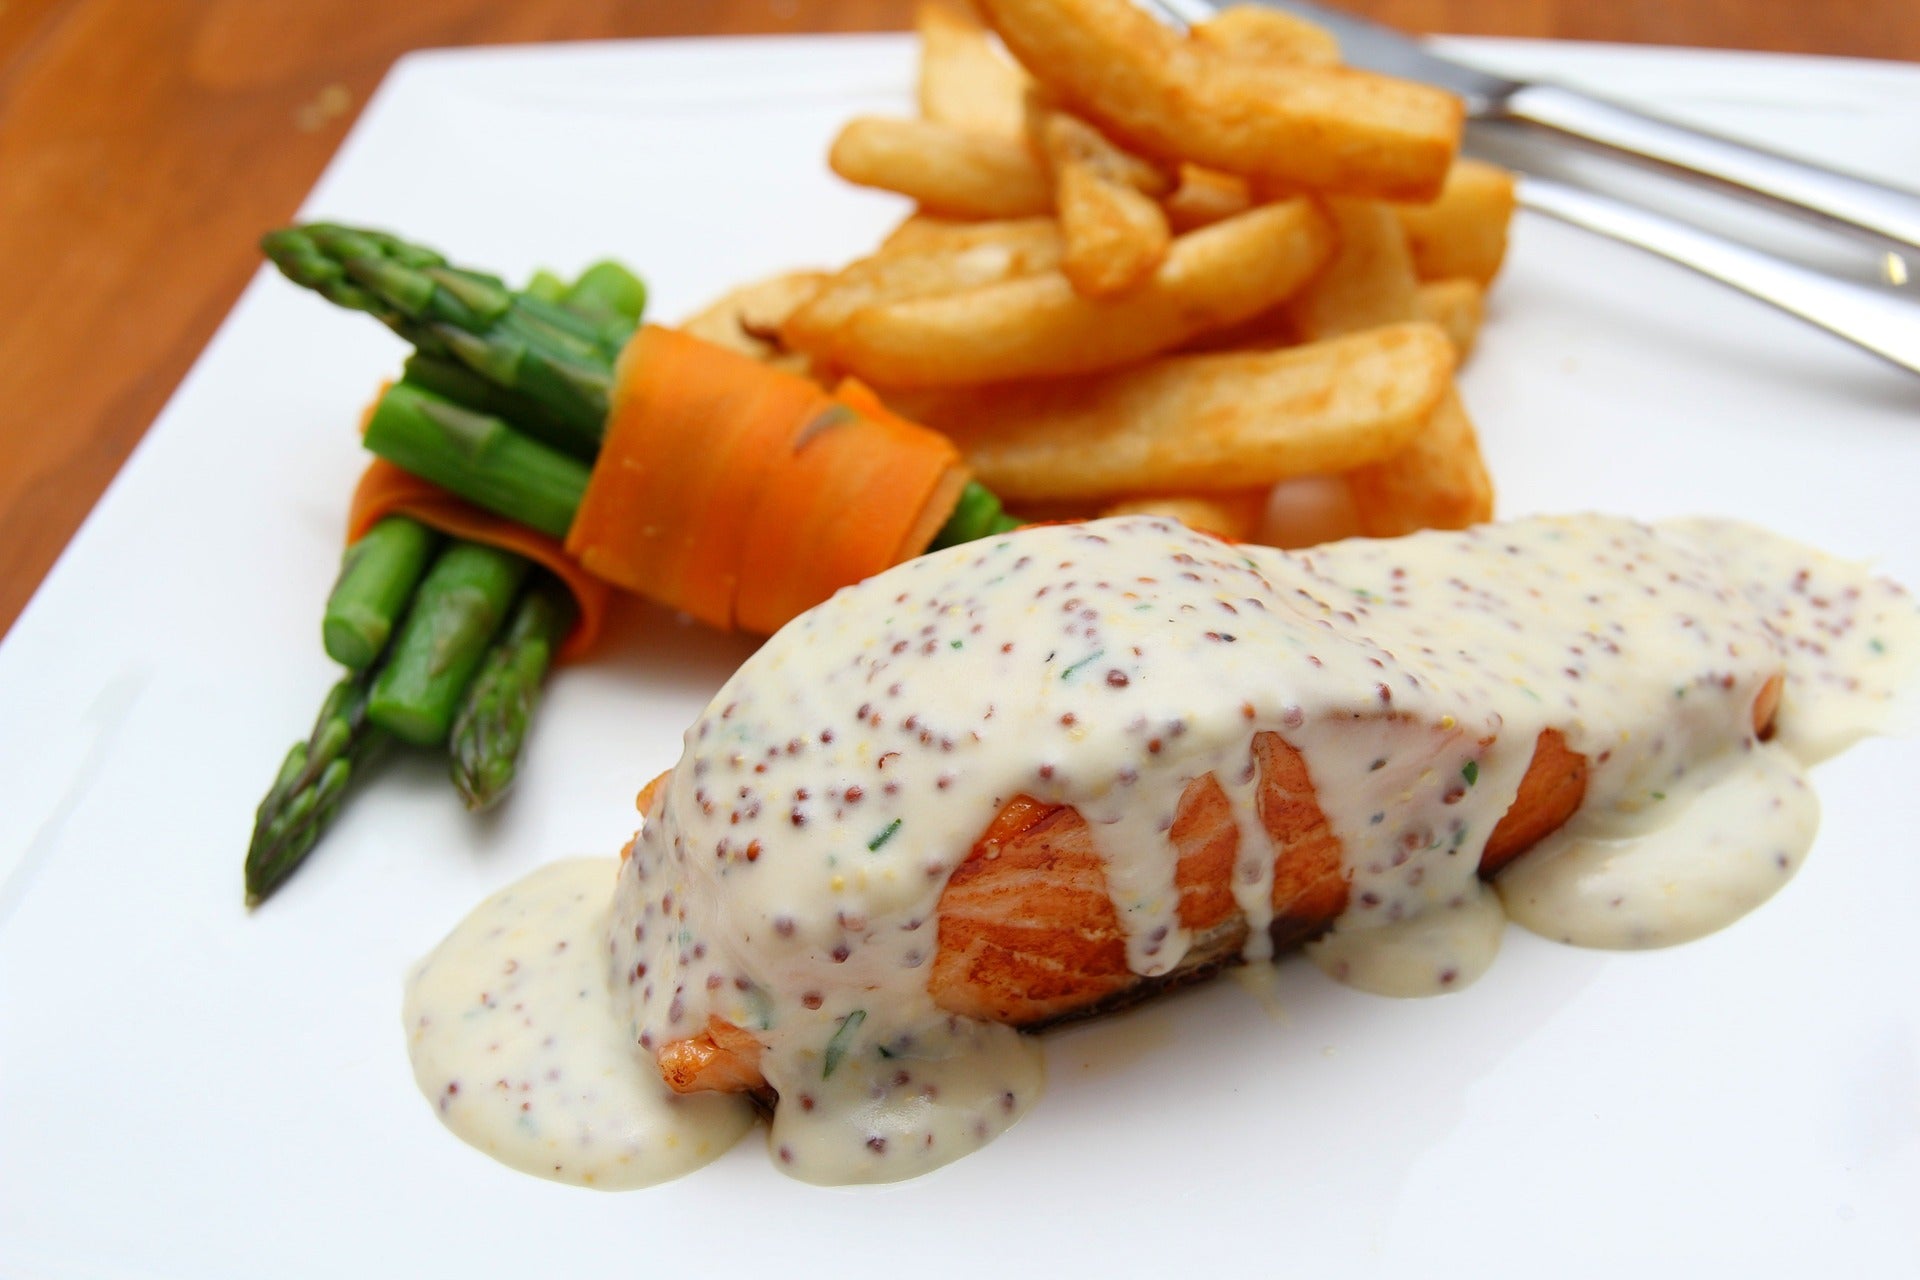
(1873, 318)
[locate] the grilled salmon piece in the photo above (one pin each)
(1028, 934)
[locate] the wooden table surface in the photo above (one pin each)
(145, 144)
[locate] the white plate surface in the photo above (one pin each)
(187, 1091)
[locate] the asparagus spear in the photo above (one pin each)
(491, 725)
(518, 341)
(311, 785)
(480, 454)
(479, 457)
(377, 577)
(382, 570)
(454, 381)
(977, 515)
(608, 289)
(460, 605)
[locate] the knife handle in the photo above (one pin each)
(1880, 321)
(1821, 195)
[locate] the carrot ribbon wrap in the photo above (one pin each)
(387, 490)
(737, 493)
(744, 495)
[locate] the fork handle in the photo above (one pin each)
(1805, 190)
(1878, 320)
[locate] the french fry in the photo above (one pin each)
(1439, 481)
(895, 275)
(1040, 327)
(1204, 196)
(1308, 511)
(1464, 231)
(1062, 138)
(964, 81)
(1199, 423)
(1273, 35)
(1369, 282)
(1457, 306)
(947, 169)
(1169, 96)
(748, 319)
(1115, 234)
(922, 233)
(1232, 515)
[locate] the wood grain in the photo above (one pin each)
(145, 145)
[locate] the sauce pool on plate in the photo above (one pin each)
(782, 906)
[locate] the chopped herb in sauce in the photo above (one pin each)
(886, 834)
(837, 1047)
(1094, 656)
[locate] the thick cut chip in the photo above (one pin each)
(1309, 511)
(1062, 138)
(947, 169)
(1369, 282)
(748, 319)
(1115, 237)
(1205, 196)
(1206, 422)
(1115, 233)
(1234, 515)
(1250, 31)
(1027, 237)
(1170, 96)
(894, 275)
(964, 81)
(1040, 327)
(1464, 231)
(1458, 306)
(1439, 481)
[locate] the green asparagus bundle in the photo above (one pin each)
(503, 403)
(456, 430)
(444, 645)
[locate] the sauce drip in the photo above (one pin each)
(788, 876)
(515, 1040)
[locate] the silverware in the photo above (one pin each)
(1877, 319)
(1793, 186)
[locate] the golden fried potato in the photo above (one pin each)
(1273, 35)
(1201, 423)
(1232, 515)
(923, 233)
(1115, 237)
(1463, 232)
(947, 169)
(1309, 510)
(1204, 196)
(1457, 306)
(1041, 327)
(748, 319)
(1169, 96)
(1369, 282)
(964, 81)
(1439, 481)
(1115, 234)
(895, 275)
(1062, 137)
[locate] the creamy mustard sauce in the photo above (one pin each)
(787, 876)
(515, 1040)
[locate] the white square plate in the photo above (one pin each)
(187, 1091)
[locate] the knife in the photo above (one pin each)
(1867, 209)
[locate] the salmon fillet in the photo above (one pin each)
(1028, 934)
